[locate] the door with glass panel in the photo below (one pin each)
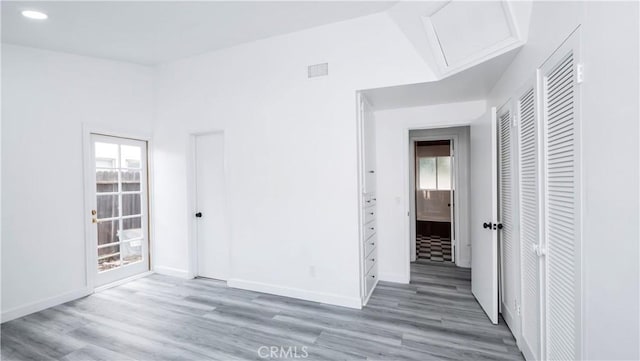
(119, 230)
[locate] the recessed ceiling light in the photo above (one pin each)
(32, 14)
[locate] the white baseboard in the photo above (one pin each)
(509, 320)
(463, 263)
(36, 306)
(394, 277)
(123, 281)
(366, 300)
(173, 272)
(332, 299)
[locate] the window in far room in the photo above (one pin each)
(434, 173)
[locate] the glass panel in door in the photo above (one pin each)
(120, 208)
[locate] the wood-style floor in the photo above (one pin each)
(163, 318)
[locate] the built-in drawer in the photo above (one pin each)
(370, 261)
(369, 214)
(370, 245)
(371, 278)
(369, 230)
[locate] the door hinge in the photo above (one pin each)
(579, 73)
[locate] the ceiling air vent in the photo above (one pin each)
(317, 70)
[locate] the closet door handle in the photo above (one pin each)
(539, 251)
(486, 225)
(199, 215)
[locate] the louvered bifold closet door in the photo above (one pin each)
(562, 215)
(506, 213)
(530, 223)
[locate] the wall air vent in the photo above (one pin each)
(317, 70)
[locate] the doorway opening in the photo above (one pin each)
(117, 185)
(434, 200)
(438, 189)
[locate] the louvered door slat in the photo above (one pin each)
(561, 216)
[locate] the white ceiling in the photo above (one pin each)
(153, 32)
(485, 24)
(474, 83)
(454, 35)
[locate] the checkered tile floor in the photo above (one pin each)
(433, 248)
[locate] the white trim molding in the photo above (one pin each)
(173, 272)
(394, 277)
(298, 293)
(40, 305)
(123, 281)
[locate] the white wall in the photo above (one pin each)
(610, 96)
(392, 136)
(46, 96)
(291, 152)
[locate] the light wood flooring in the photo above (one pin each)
(164, 318)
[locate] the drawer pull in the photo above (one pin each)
(373, 276)
(373, 260)
(372, 171)
(372, 228)
(371, 213)
(373, 243)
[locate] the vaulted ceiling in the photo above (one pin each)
(465, 44)
(153, 32)
(449, 35)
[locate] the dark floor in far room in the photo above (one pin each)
(433, 248)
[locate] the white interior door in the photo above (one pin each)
(530, 223)
(117, 178)
(562, 202)
(508, 216)
(484, 240)
(212, 233)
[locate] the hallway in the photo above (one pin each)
(165, 318)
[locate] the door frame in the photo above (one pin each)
(455, 227)
(192, 200)
(88, 130)
(408, 168)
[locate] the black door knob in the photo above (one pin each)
(487, 225)
(199, 215)
(500, 226)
